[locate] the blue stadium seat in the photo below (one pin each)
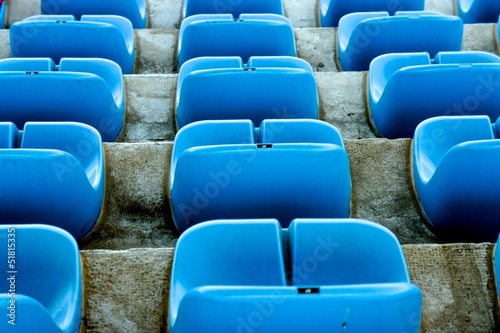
(478, 11)
(134, 10)
(237, 276)
(3, 12)
(40, 280)
(455, 165)
(56, 177)
(211, 88)
(364, 36)
(234, 7)
(248, 35)
(331, 11)
(60, 36)
(406, 88)
(89, 91)
(9, 134)
(230, 169)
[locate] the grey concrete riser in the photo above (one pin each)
(127, 291)
(167, 14)
(136, 212)
(156, 49)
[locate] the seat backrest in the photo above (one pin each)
(331, 11)
(94, 36)
(133, 10)
(225, 88)
(364, 36)
(235, 8)
(248, 35)
(41, 255)
(439, 87)
(8, 135)
(81, 141)
(57, 177)
(62, 93)
(344, 252)
(436, 136)
(252, 180)
(235, 253)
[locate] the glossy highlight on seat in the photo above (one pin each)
(244, 36)
(3, 12)
(364, 36)
(230, 169)
(404, 89)
(233, 7)
(60, 36)
(454, 167)
(211, 88)
(331, 11)
(237, 275)
(133, 10)
(55, 174)
(40, 280)
(89, 91)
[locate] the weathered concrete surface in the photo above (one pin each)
(4, 44)
(446, 7)
(150, 107)
(156, 51)
(127, 291)
(479, 37)
(164, 14)
(134, 209)
(458, 287)
(342, 103)
(316, 46)
(382, 189)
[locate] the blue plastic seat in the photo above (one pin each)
(478, 11)
(234, 7)
(248, 35)
(331, 11)
(455, 165)
(364, 36)
(405, 89)
(237, 276)
(89, 91)
(133, 10)
(60, 36)
(230, 169)
(211, 88)
(40, 280)
(56, 176)
(3, 11)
